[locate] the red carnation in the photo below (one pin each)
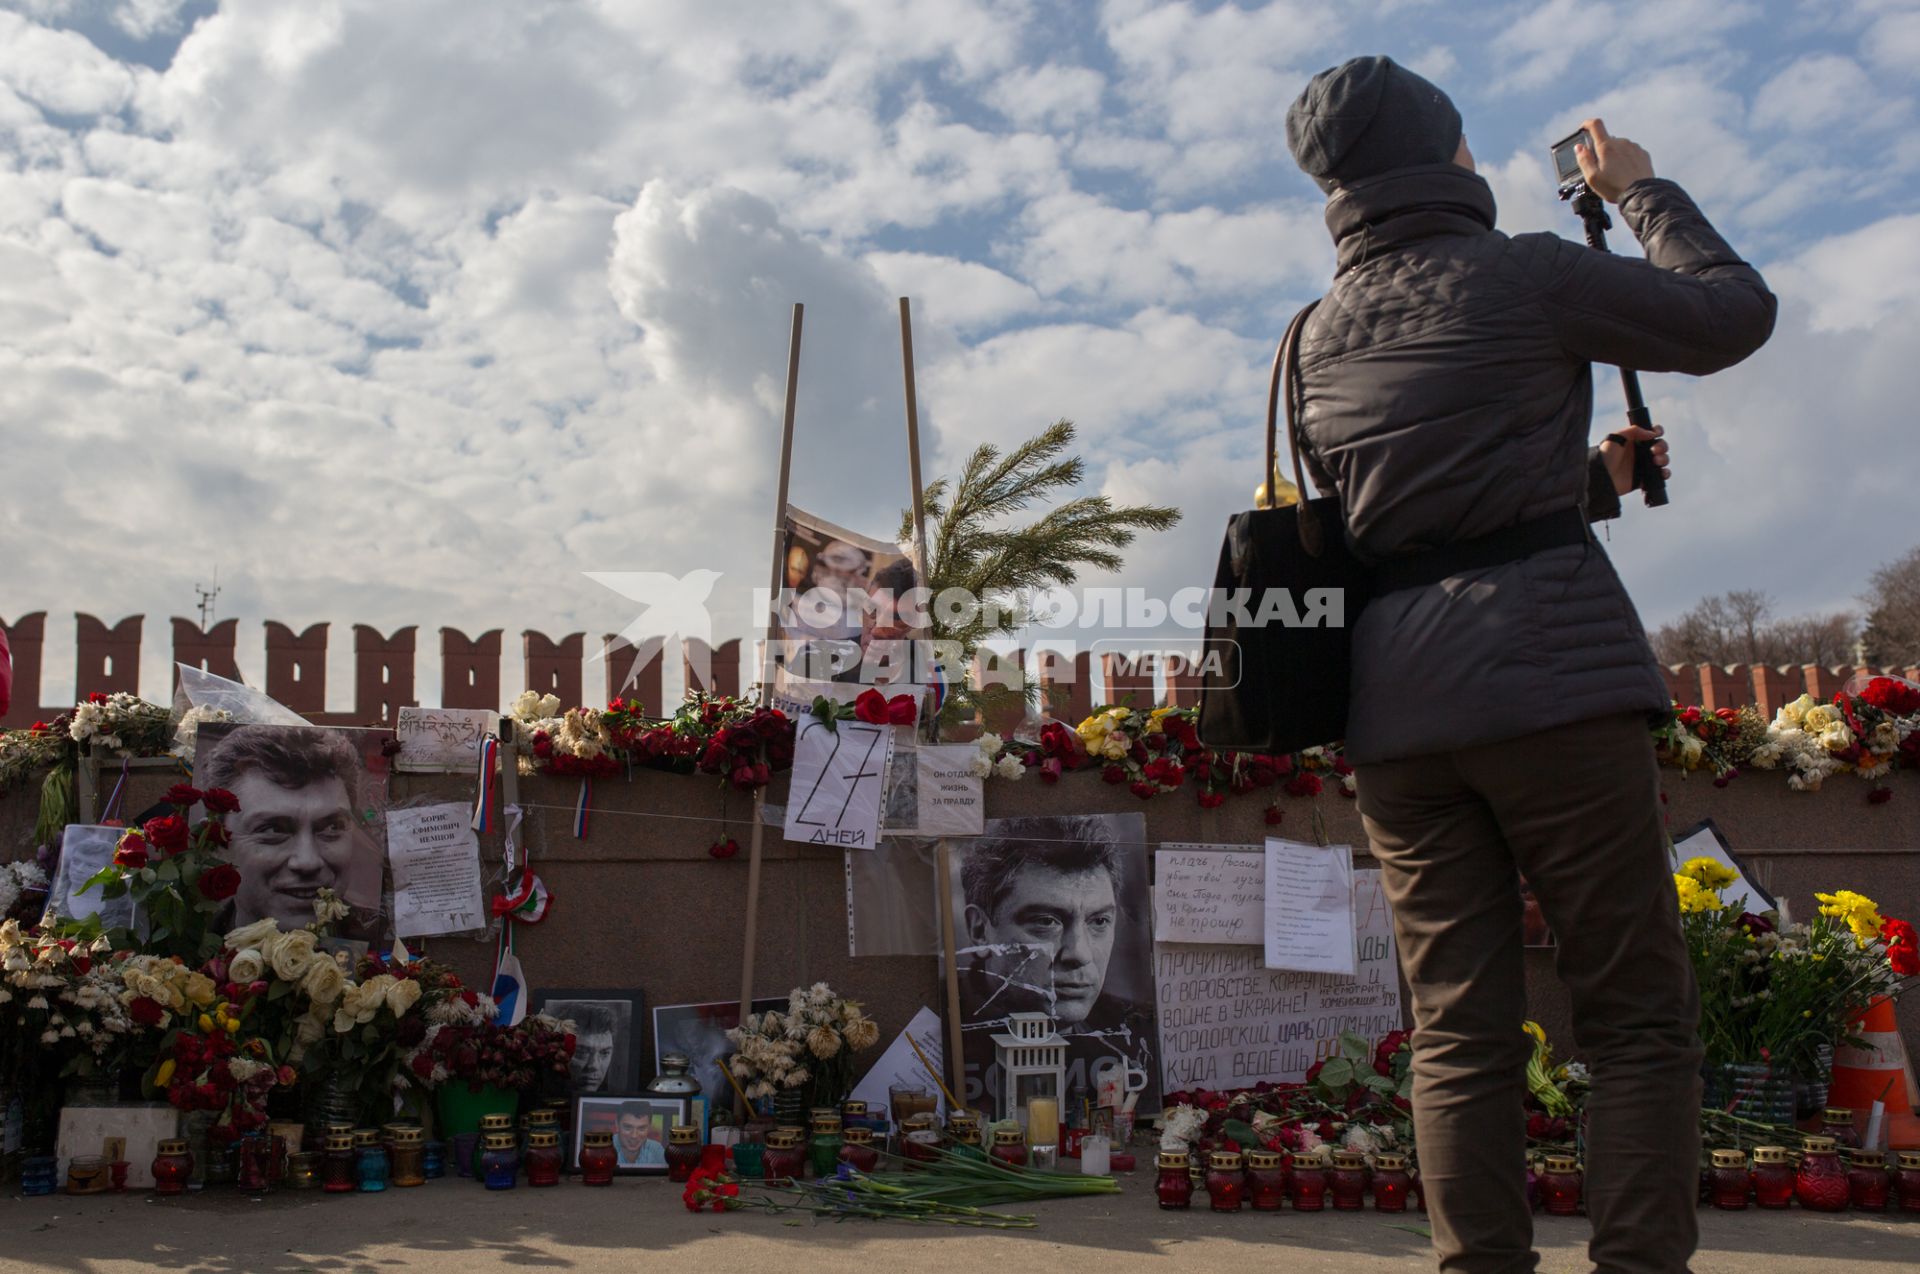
(1114, 774)
(1304, 783)
(145, 1010)
(1145, 791)
(219, 800)
(220, 882)
(1903, 953)
(724, 848)
(131, 853)
(1212, 800)
(169, 834)
(1274, 814)
(184, 795)
(1889, 694)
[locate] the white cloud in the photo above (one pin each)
(1816, 93)
(1855, 282)
(963, 294)
(61, 71)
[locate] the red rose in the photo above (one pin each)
(1050, 770)
(219, 882)
(1274, 814)
(871, 707)
(184, 795)
(219, 800)
(131, 853)
(1890, 694)
(1879, 796)
(1114, 774)
(169, 834)
(1145, 791)
(1304, 783)
(145, 1011)
(1212, 800)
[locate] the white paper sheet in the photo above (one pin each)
(932, 790)
(1225, 1022)
(436, 870)
(1744, 894)
(1309, 907)
(1209, 893)
(899, 1067)
(438, 740)
(837, 776)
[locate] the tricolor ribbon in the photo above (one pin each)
(583, 809)
(483, 806)
(526, 900)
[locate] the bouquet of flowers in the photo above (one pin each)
(1868, 733)
(119, 725)
(575, 742)
(60, 1011)
(175, 874)
(1692, 738)
(717, 734)
(538, 1052)
(810, 1047)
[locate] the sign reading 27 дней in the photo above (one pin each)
(838, 771)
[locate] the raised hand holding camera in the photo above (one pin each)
(1592, 165)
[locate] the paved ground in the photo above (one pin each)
(456, 1227)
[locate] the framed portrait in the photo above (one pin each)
(606, 1029)
(699, 1032)
(639, 1126)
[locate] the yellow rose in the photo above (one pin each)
(1114, 749)
(1793, 713)
(199, 989)
(1818, 718)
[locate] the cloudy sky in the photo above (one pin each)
(414, 312)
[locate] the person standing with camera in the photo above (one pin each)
(1502, 681)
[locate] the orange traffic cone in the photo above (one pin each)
(1878, 1071)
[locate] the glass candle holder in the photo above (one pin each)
(39, 1175)
(1174, 1187)
(786, 1156)
(255, 1173)
(1096, 1155)
(433, 1161)
(1729, 1181)
(220, 1168)
(1560, 1186)
(1837, 1122)
(172, 1165)
(370, 1164)
(499, 1161)
(1906, 1180)
(303, 1170)
(490, 1125)
(1226, 1181)
(462, 1152)
(1390, 1182)
(1772, 1177)
(544, 1159)
(336, 1164)
(859, 1152)
(823, 1148)
(919, 1148)
(1820, 1183)
(1009, 1148)
(1868, 1184)
(597, 1159)
(407, 1157)
(1348, 1181)
(1266, 1180)
(1307, 1181)
(750, 1160)
(683, 1152)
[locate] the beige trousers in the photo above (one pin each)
(1576, 810)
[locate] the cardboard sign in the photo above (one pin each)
(442, 740)
(837, 776)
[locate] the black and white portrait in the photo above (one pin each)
(605, 1053)
(310, 818)
(698, 1032)
(1054, 915)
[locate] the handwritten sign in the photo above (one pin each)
(1225, 1022)
(436, 740)
(1209, 893)
(1309, 907)
(834, 798)
(932, 789)
(436, 870)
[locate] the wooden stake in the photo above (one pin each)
(756, 834)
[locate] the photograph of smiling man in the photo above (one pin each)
(1053, 915)
(310, 803)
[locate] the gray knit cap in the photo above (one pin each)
(1369, 116)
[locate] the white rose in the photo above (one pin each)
(403, 995)
(247, 966)
(252, 935)
(325, 982)
(292, 955)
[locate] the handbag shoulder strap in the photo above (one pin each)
(1286, 372)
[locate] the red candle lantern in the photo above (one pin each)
(543, 1157)
(1560, 1186)
(1906, 1180)
(1390, 1182)
(1729, 1181)
(1226, 1181)
(172, 1165)
(1348, 1181)
(786, 1156)
(1772, 1177)
(597, 1159)
(1266, 1180)
(1009, 1148)
(1868, 1184)
(1820, 1183)
(683, 1152)
(1837, 1122)
(1175, 1187)
(858, 1151)
(1307, 1181)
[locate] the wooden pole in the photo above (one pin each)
(913, 433)
(956, 1050)
(756, 833)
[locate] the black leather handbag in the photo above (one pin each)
(1282, 684)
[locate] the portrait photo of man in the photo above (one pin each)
(1053, 916)
(637, 1140)
(603, 1038)
(308, 820)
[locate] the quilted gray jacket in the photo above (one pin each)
(1448, 392)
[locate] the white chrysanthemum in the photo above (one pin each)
(990, 743)
(1009, 767)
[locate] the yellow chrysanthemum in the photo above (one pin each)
(1710, 874)
(1860, 912)
(1693, 898)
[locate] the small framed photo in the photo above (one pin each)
(606, 1029)
(639, 1126)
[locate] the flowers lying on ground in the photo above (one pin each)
(1868, 734)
